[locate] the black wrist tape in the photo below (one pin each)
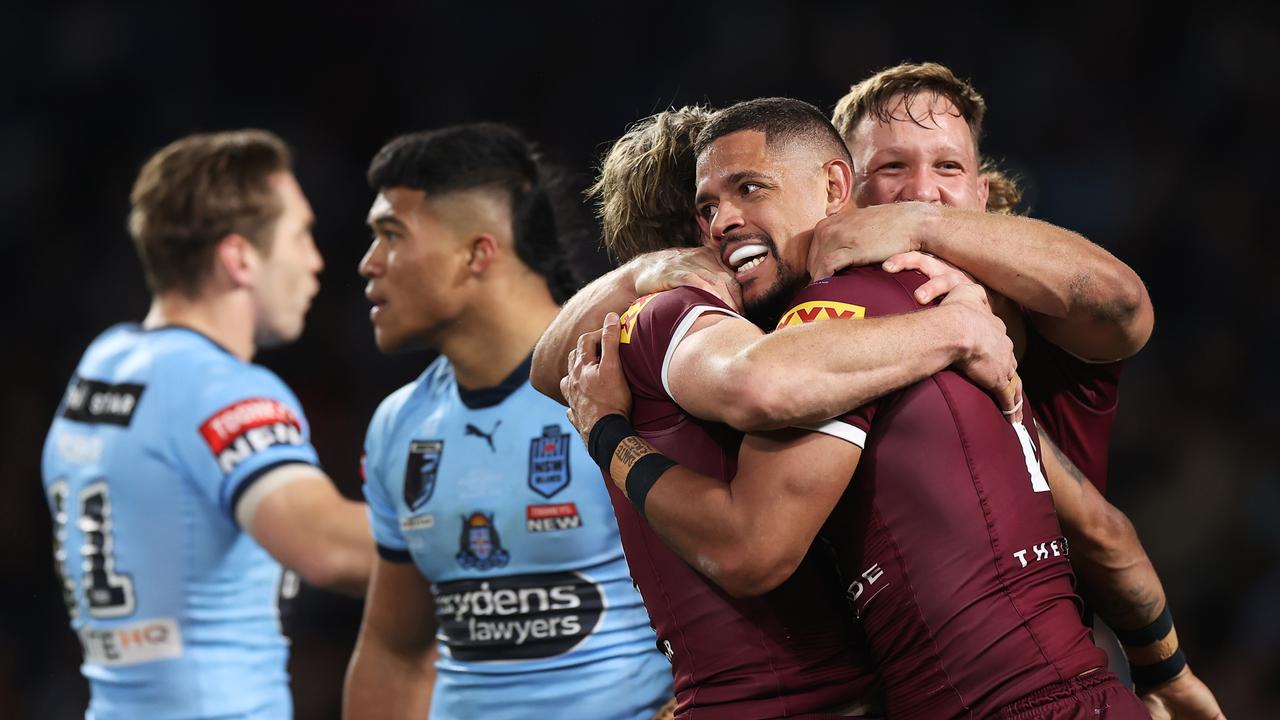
(643, 475)
(605, 436)
(1154, 632)
(1147, 676)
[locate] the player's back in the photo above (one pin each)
(175, 606)
(786, 653)
(954, 559)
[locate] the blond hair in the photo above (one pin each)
(874, 97)
(644, 195)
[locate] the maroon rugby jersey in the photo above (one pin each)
(786, 654)
(952, 554)
(1074, 401)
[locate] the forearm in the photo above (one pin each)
(694, 514)
(348, 542)
(384, 685)
(584, 312)
(1059, 275)
(845, 365)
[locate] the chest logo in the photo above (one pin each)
(819, 310)
(549, 461)
(420, 472)
(479, 547)
(488, 436)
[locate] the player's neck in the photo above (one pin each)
(223, 320)
(499, 336)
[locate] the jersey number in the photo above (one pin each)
(107, 594)
(1038, 483)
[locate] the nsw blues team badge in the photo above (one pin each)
(549, 461)
(479, 547)
(420, 472)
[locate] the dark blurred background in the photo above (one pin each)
(1150, 132)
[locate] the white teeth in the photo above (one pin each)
(744, 252)
(750, 264)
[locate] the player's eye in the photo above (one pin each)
(891, 167)
(748, 187)
(707, 212)
(950, 166)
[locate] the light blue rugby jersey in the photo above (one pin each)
(176, 607)
(492, 495)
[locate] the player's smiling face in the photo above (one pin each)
(757, 205)
(416, 271)
(925, 153)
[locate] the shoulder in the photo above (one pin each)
(410, 399)
(656, 318)
(854, 293)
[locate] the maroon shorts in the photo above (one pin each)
(1096, 696)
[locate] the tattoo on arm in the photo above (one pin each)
(630, 450)
(1064, 460)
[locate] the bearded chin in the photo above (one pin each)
(766, 310)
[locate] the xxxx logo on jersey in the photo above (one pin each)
(817, 310)
(627, 322)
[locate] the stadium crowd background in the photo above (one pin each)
(1151, 133)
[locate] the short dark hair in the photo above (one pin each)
(782, 120)
(196, 191)
(491, 156)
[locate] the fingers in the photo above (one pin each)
(1010, 399)
(609, 335)
(588, 349)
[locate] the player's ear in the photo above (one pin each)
(482, 252)
(984, 190)
(839, 184)
(235, 258)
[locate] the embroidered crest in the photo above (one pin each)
(420, 472)
(549, 461)
(479, 547)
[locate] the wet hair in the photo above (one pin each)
(492, 156)
(782, 120)
(644, 194)
(196, 191)
(876, 97)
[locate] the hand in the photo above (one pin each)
(988, 359)
(595, 385)
(1183, 697)
(943, 276)
(687, 267)
(864, 236)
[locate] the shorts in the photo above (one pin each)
(1098, 695)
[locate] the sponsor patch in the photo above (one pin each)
(91, 401)
(131, 644)
(627, 323)
(545, 518)
(818, 310)
(517, 617)
(479, 546)
(549, 461)
(418, 522)
(420, 472)
(239, 431)
(486, 436)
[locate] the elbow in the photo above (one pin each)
(753, 576)
(1121, 301)
(336, 569)
(760, 399)
(1104, 535)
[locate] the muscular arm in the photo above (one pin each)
(1119, 581)
(1116, 576)
(727, 370)
(392, 669)
(750, 535)
(298, 516)
(611, 292)
(1082, 297)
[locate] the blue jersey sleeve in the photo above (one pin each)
(247, 422)
(378, 491)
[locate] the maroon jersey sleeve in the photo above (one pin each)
(1075, 402)
(651, 329)
(853, 293)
